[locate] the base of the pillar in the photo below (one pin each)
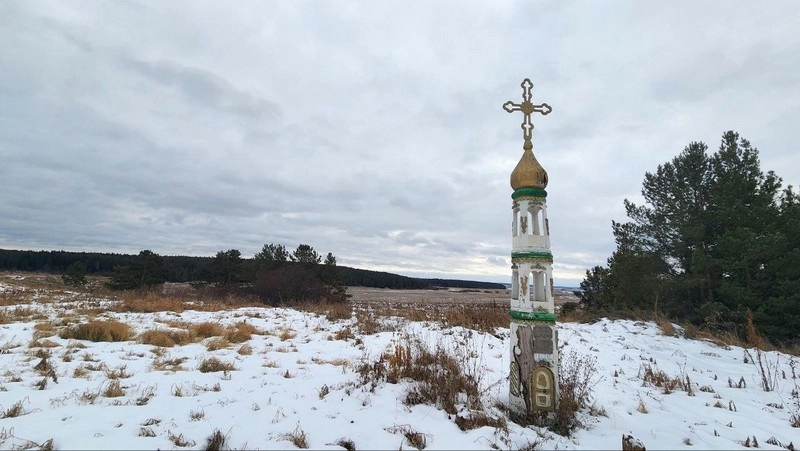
(543, 419)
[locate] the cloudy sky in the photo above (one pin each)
(372, 130)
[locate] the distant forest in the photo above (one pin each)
(198, 269)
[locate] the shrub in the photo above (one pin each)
(295, 283)
(109, 330)
(75, 275)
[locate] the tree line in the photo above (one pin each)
(226, 266)
(715, 240)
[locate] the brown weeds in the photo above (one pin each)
(441, 380)
(165, 338)
(14, 411)
(207, 329)
(298, 437)
(150, 302)
(216, 442)
(96, 330)
(241, 332)
(113, 390)
(213, 364)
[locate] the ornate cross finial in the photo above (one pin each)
(527, 109)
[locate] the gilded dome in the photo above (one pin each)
(528, 173)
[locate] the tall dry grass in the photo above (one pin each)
(97, 330)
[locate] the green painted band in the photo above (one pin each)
(528, 191)
(533, 316)
(538, 255)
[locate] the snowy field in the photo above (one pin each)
(296, 377)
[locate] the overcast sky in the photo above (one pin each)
(372, 130)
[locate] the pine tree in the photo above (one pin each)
(305, 254)
(227, 266)
(75, 274)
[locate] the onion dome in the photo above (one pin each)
(528, 173)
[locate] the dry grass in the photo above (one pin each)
(441, 380)
(485, 318)
(217, 343)
(14, 411)
(79, 372)
(241, 332)
(207, 329)
(197, 415)
(43, 330)
(346, 443)
(43, 343)
(333, 311)
(168, 364)
(287, 334)
(179, 440)
(416, 439)
(298, 437)
(150, 302)
(665, 325)
(109, 330)
(113, 390)
(245, 349)
(165, 337)
(344, 333)
(213, 364)
(366, 322)
(216, 442)
(658, 378)
(118, 373)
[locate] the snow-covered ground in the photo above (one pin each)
(279, 388)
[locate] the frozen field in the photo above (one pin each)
(294, 375)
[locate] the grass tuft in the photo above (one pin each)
(165, 338)
(240, 332)
(346, 443)
(207, 329)
(298, 437)
(96, 331)
(14, 411)
(213, 364)
(217, 343)
(113, 390)
(216, 442)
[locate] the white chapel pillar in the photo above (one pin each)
(533, 378)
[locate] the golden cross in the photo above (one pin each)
(527, 109)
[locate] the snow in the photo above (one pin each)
(256, 405)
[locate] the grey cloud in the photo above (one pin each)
(206, 88)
